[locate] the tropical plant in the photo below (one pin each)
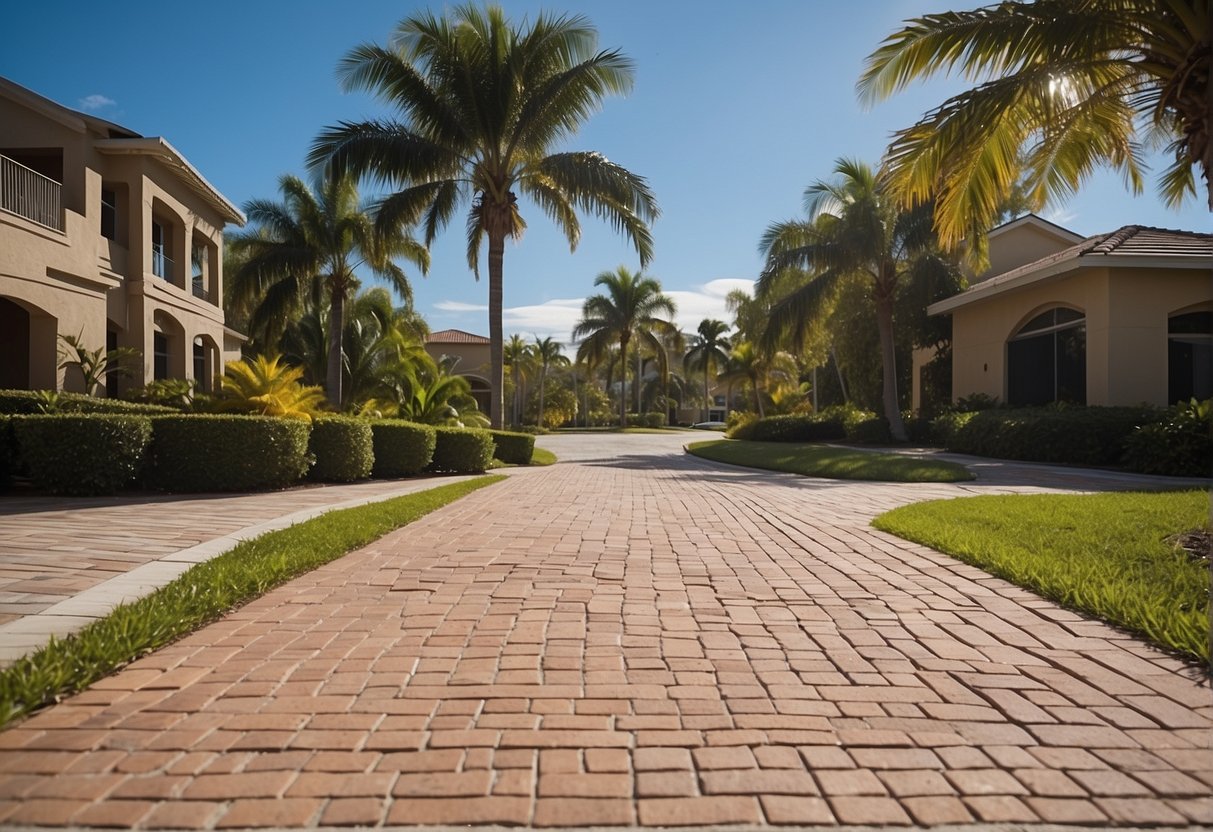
(426, 391)
(268, 386)
(519, 357)
(483, 103)
(632, 307)
(1069, 85)
(180, 393)
(306, 250)
(708, 353)
(548, 353)
(95, 365)
(854, 228)
(749, 363)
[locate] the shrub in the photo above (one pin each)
(33, 401)
(945, 427)
(227, 453)
(918, 428)
(82, 454)
(655, 420)
(874, 431)
(462, 450)
(1179, 445)
(739, 424)
(8, 451)
(1070, 435)
(402, 449)
(513, 448)
(811, 427)
(343, 448)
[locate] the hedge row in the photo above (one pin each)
(15, 402)
(513, 448)
(832, 423)
(647, 420)
(86, 454)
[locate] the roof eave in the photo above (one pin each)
(158, 147)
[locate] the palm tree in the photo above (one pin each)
(1070, 84)
(855, 228)
(708, 353)
(631, 307)
(518, 355)
(483, 105)
(549, 354)
(310, 246)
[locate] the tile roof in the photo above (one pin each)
(1129, 242)
(455, 336)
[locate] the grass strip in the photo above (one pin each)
(1106, 555)
(205, 593)
(542, 456)
(812, 460)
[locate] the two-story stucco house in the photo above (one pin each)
(1121, 318)
(110, 236)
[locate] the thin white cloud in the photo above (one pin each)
(1061, 216)
(459, 306)
(96, 101)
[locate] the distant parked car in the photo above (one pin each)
(709, 426)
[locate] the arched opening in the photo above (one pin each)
(1047, 359)
(29, 346)
(480, 392)
(168, 347)
(1190, 356)
(205, 364)
(168, 245)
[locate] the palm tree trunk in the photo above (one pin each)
(838, 369)
(496, 363)
(336, 318)
(623, 375)
(543, 379)
(888, 356)
(757, 397)
(517, 392)
(707, 403)
(639, 376)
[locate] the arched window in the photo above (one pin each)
(1047, 359)
(1190, 356)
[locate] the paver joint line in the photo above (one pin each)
(636, 638)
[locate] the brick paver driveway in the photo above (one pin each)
(633, 637)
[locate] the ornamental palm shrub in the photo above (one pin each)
(268, 387)
(84, 455)
(208, 452)
(343, 448)
(462, 450)
(401, 449)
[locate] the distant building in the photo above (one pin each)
(110, 236)
(471, 356)
(1122, 318)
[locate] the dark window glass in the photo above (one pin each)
(109, 214)
(200, 378)
(160, 348)
(1050, 366)
(1190, 357)
(111, 376)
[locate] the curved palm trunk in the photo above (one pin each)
(623, 375)
(333, 375)
(888, 356)
(496, 363)
(757, 396)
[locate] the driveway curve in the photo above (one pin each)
(635, 637)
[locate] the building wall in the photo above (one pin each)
(1018, 246)
(77, 282)
(1126, 320)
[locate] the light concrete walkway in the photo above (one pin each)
(634, 637)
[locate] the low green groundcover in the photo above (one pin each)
(1115, 556)
(824, 461)
(207, 592)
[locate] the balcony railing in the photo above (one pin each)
(162, 266)
(200, 289)
(29, 194)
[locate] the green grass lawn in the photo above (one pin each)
(623, 430)
(542, 456)
(1102, 554)
(206, 592)
(834, 463)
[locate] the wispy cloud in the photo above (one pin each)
(1061, 216)
(96, 101)
(459, 306)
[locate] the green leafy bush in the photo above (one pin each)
(946, 426)
(402, 449)
(32, 401)
(227, 453)
(1179, 445)
(874, 431)
(462, 450)
(343, 448)
(1069, 435)
(513, 448)
(918, 428)
(82, 454)
(8, 451)
(809, 427)
(647, 420)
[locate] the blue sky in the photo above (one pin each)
(736, 108)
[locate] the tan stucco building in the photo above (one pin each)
(1123, 318)
(470, 354)
(110, 236)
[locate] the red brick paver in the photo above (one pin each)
(634, 639)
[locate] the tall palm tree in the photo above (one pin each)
(548, 353)
(310, 245)
(632, 307)
(518, 355)
(1072, 83)
(483, 103)
(708, 353)
(854, 228)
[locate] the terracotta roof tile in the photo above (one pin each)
(455, 336)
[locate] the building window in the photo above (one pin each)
(109, 214)
(201, 379)
(160, 353)
(1047, 360)
(198, 270)
(162, 266)
(1190, 357)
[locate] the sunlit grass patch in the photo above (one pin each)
(812, 460)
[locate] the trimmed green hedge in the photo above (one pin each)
(227, 453)
(874, 431)
(8, 451)
(29, 401)
(647, 420)
(513, 448)
(81, 454)
(343, 448)
(402, 449)
(792, 428)
(462, 450)
(1179, 445)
